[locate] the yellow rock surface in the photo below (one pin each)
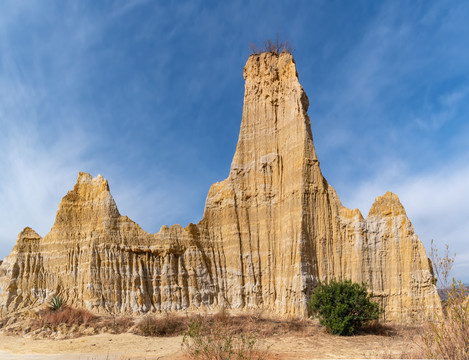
(270, 232)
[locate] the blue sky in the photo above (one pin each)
(149, 94)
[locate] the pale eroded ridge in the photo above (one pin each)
(269, 233)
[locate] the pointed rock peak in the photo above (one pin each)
(88, 202)
(29, 234)
(88, 188)
(271, 76)
(84, 177)
(28, 241)
(387, 205)
(86, 181)
(275, 128)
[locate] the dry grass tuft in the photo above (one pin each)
(72, 322)
(116, 325)
(173, 325)
(169, 325)
(66, 315)
(255, 323)
(274, 47)
(210, 338)
(378, 328)
(447, 335)
(222, 315)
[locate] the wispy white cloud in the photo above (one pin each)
(123, 8)
(443, 110)
(40, 151)
(34, 178)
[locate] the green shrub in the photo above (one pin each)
(343, 307)
(56, 303)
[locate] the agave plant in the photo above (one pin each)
(56, 303)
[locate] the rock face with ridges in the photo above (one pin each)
(270, 232)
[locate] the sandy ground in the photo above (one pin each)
(130, 346)
(103, 346)
(324, 346)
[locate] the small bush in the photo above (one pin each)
(212, 341)
(66, 315)
(343, 307)
(169, 325)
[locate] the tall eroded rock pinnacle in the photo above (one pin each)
(270, 232)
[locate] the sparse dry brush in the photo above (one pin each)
(169, 325)
(447, 336)
(60, 316)
(205, 340)
(258, 324)
(116, 325)
(222, 336)
(376, 327)
(275, 47)
(73, 322)
(65, 315)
